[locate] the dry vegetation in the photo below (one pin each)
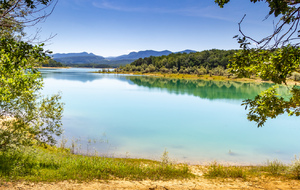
(261, 181)
(56, 168)
(201, 77)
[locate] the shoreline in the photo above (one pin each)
(202, 77)
(54, 67)
(184, 76)
(199, 181)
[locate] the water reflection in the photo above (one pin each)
(199, 88)
(81, 75)
(206, 89)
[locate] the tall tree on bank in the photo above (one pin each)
(25, 116)
(276, 57)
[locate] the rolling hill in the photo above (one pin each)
(87, 58)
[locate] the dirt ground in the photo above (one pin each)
(158, 185)
(199, 182)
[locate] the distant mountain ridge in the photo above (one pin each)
(142, 54)
(147, 53)
(84, 57)
(60, 55)
(77, 58)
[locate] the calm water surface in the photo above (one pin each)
(196, 121)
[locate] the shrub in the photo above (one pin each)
(174, 69)
(165, 160)
(147, 70)
(163, 70)
(151, 68)
(138, 68)
(218, 170)
(190, 70)
(295, 168)
(200, 71)
(219, 71)
(274, 167)
(20, 162)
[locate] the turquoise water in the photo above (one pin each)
(195, 121)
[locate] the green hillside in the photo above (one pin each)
(192, 63)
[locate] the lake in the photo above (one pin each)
(195, 121)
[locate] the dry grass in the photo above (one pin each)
(204, 77)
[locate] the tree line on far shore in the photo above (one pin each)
(209, 62)
(213, 62)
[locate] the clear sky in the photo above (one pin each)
(117, 27)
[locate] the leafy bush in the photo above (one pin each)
(20, 162)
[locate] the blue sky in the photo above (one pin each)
(117, 27)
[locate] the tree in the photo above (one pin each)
(25, 116)
(23, 12)
(276, 57)
(53, 63)
(17, 14)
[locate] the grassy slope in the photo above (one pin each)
(52, 164)
(55, 164)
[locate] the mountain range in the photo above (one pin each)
(146, 53)
(84, 57)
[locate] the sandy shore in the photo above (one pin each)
(206, 77)
(199, 182)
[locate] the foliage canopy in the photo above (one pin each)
(275, 58)
(23, 12)
(209, 61)
(25, 116)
